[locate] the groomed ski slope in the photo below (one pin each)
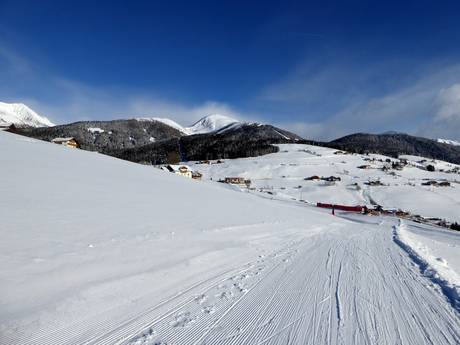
(96, 250)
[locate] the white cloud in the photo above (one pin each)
(93, 104)
(449, 103)
(425, 102)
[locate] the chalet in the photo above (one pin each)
(444, 184)
(238, 181)
(196, 175)
(234, 180)
(430, 183)
(331, 178)
(182, 170)
(374, 183)
(398, 165)
(312, 178)
(69, 142)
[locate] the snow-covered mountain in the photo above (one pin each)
(21, 115)
(210, 124)
(166, 121)
(207, 124)
(449, 142)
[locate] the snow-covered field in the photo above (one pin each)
(97, 250)
(283, 174)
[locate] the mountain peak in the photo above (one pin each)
(21, 115)
(210, 123)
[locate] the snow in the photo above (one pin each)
(166, 121)
(58, 140)
(126, 254)
(284, 172)
(207, 124)
(20, 114)
(211, 123)
(95, 130)
(449, 142)
(438, 252)
(282, 135)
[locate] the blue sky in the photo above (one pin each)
(322, 69)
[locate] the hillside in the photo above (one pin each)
(233, 141)
(161, 140)
(397, 144)
(96, 250)
(104, 136)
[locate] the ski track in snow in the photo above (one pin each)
(346, 286)
(372, 293)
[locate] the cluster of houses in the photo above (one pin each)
(323, 178)
(390, 164)
(374, 183)
(186, 171)
(219, 161)
(436, 183)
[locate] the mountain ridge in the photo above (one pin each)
(397, 144)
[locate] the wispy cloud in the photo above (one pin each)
(12, 61)
(336, 99)
(82, 102)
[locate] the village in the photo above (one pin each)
(370, 184)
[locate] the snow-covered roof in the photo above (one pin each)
(177, 167)
(95, 130)
(58, 140)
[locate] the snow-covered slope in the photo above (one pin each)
(103, 251)
(100, 238)
(448, 141)
(20, 114)
(210, 123)
(166, 121)
(207, 124)
(283, 174)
